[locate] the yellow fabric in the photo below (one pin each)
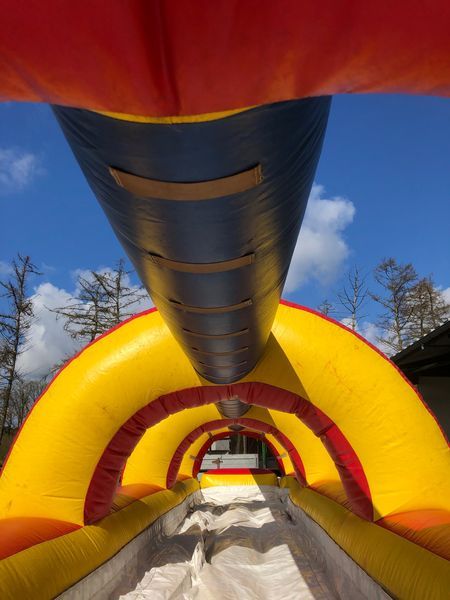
(288, 482)
(403, 453)
(391, 431)
(406, 570)
(150, 459)
(317, 462)
(46, 570)
(284, 457)
(54, 458)
(213, 480)
(201, 118)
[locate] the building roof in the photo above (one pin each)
(429, 356)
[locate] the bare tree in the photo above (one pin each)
(397, 282)
(24, 394)
(14, 325)
(57, 367)
(429, 308)
(353, 296)
(84, 316)
(105, 299)
(326, 308)
(119, 296)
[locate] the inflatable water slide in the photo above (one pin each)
(198, 126)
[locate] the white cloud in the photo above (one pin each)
(446, 294)
(347, 321)
(47, 341)
(371, 333)
(17, 169)
(321, 249)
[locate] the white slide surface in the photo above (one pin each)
(234, 545)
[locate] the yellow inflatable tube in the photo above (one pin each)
(405, 569)
(45, 570)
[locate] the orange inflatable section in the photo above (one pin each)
(20, 533)
(427, 528)
(188, 58)
(48, 568)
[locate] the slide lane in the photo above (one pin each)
(246, 547)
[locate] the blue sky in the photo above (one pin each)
(383, 189)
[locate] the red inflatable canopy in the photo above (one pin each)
(180, 58)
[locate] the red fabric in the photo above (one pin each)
(19, 533)
(219, 436)
(170, 58)
(347, 462)
(175, 463)
(107, 473)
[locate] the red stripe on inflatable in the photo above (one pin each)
(225, 434)
(172, 58)
(106, 475)
(185, 444)
(347, 462)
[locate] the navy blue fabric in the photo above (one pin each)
(285, 139)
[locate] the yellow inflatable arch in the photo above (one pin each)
(159, 444)
(131, 406)
(93, 400)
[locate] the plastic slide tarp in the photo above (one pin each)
(235, 540)
(242, 546)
